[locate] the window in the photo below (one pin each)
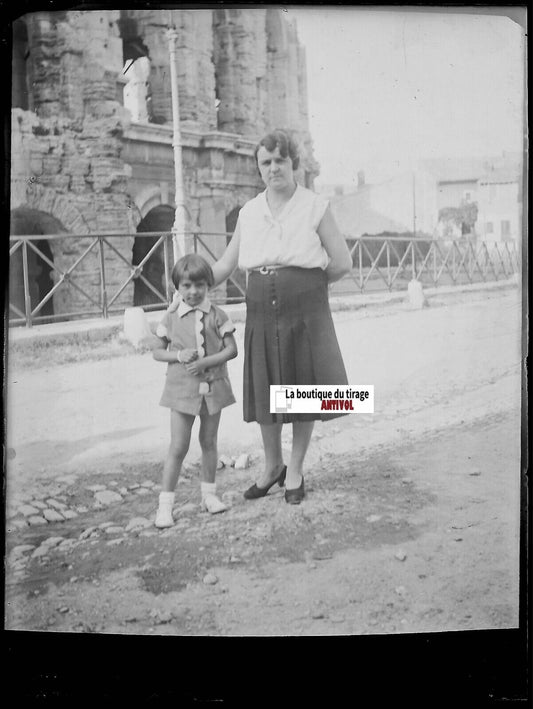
(506, 227)
(467, 196)
(136, 91)
(489, 228)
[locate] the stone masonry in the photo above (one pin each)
(92, 130)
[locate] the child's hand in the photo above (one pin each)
(195, 367)
(188, 355)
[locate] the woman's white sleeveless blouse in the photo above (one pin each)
(290, 239)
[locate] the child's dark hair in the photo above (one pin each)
(192, 266)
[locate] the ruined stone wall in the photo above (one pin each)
(66, 154)
(77, 157)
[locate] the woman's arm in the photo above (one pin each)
(227, 263)
(335, 244)
(228, 352)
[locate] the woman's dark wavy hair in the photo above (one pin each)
(194, 267)
(283, 140)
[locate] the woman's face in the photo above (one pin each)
(276, 171)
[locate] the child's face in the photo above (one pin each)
(192, 292)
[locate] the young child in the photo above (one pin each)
(196, 339)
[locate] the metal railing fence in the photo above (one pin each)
(387, 262)
(379, 263)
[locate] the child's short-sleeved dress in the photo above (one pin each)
(202, 328)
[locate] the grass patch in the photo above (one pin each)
(41, 354)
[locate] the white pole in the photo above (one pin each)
(179, 227)
(414, 205)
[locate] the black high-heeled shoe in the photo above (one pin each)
(296, 495)
(254, 491)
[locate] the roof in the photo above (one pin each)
(456, 169)
(499, 176)
(355, 218)
(470, 169)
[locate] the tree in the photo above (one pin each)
(463, 217)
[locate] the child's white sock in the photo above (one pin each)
(210, 501)
(164, 517)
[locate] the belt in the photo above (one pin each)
(266, 270)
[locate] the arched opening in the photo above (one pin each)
(232, 291)
(159, 219)
(25, 221)
(136, 94)
(136, 70)
(20, 86)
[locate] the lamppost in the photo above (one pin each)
(179, 227)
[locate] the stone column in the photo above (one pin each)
(302, 89)
(292, 82)
(240, 68)
(196, 80)
(44, 63)
(277, 59)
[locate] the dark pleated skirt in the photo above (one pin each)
(289, 339)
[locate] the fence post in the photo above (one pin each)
(360, 249)
(103, 288)
(453, 261)
(389, 284)
(27, 298)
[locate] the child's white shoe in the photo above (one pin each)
(164, 517)
(210, 501)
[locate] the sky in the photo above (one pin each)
(389, 87)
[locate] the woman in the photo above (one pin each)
(287, 240)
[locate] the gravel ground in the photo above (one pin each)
(410, 524)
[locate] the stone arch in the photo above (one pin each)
(27, 221)
(159, 219)
(231, 219)
(149, 198)
(46, 200)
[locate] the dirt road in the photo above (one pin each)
(410, 522)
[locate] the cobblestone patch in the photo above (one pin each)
(68, 504)
(65, 499)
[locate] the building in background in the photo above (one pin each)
(403, 204)
(499, 206)
(478, 197)
(474, 198)
(92, 131)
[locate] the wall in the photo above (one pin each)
(82, 156)
(498, 202)
(66, 152)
